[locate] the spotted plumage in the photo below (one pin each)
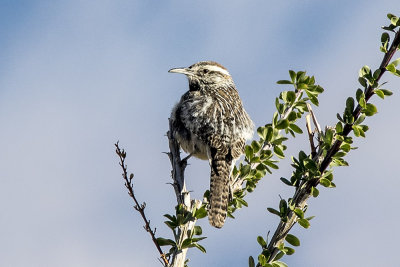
(210, 123)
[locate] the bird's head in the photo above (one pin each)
(205, 73)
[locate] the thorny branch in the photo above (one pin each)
(139, 207)
(303, 192)
(182, 196)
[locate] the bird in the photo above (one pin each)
(210, 123)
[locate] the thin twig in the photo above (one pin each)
(310, 133)
(139, 207)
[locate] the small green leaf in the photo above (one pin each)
(200, 247)
(165, 242)
(376, 74)
(270, 164)
(274, 211)
(387, 92)
(292, 240)
(279, 264)
(295, 128)
(282, 124)
(292, 75)
(262, 260)
(370, 109)
(314, 192)
(261, 241)
(391, 68)
(284, 82)
(339, 127)
(278, 151)
(292, 116)
(251, 262)
(304, 223)
(262, 132)
(350, 104)
(200, 213)
(325, 182)
(286, 181)
(362, 81)
(197, 230)
(299, 213)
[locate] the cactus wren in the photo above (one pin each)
(209, 122)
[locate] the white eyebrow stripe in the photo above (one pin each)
(218, 69)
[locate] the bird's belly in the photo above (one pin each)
(192, 145)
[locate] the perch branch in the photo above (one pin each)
(182, 196)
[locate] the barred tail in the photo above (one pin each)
(219, 189)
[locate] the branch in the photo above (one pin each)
(183, 198)
(139, 207)
(303, 192)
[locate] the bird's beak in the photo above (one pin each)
(185, 71)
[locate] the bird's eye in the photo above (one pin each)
(205, 71)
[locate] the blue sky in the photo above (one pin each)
(76, 76)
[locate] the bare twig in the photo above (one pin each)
(139, 207)
(310, 133)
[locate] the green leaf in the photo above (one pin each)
(386, 92)
(292, 116)
(304, 223)
(197, 230)
(274, 211)
(279, 255)
(262, 132)
(261, 241)
(350, 104)
(341, 154)
(391, 68)
(262, 260)
(282, 124)
(286, 181)
(339, 127)
(200, 247)
(196, 239)
(376, 74)
(362, 81)
(251, 262)
(310, 164)
(299, 213)
(292, 75)
(279, 264)
(292, 240)
(364, 71)
(270, 164)
(256, 146)
(200, 213)
(165, 242)
(395, 21)
(360, 119)
(302, 86)
(284, 82)
(278, 151)
(314, 191)
(295, 128)
(370, 109)
(325, 182)
(248, 150)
